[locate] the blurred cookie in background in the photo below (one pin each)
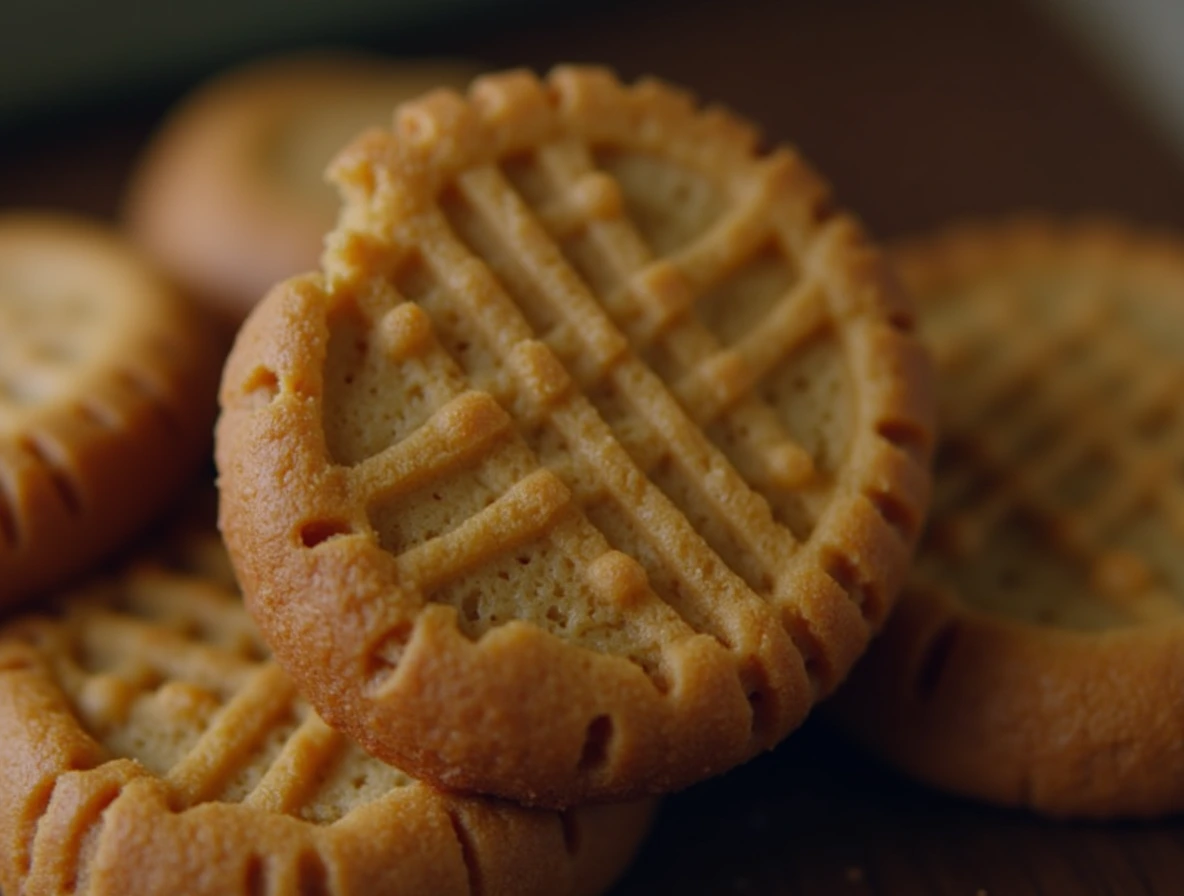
(229, 195)
(1037, 655)
(107, 384)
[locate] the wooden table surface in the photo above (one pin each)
(918, 111)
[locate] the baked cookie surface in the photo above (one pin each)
(593, 457)
(1037, 655)
(230, 194)
(151, 746)
(107, 397)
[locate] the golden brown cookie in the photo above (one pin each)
(593, 457)
(230, 194)
(1037, 656)
(152, 747)
(107, 394)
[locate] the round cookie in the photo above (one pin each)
(1037, 655)
(230, 194)
(107, 396)
(595, 455)
(152, 747)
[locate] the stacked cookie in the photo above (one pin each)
(158, 749)
(151, 744)
(592, 457)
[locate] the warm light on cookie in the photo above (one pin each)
(616, 433)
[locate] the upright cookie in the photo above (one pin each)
(230, 195)
(107, 396)
(1037, 657)
(152, 747)
(595, 455)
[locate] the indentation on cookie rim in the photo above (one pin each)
(935, 659)
(36, 808)
(11, 530)
(312, 875)
(93, 823)
(383, 658)
(657, 673)
(50, 458)
(261, 387)
(468, 851)
(313, 533)
(598, 738)
(754, 681)
(255, 876)
(810, 648)
(843, 571)
(908, 436)
(898, 514)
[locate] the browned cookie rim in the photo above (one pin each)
(1068, 722)
(841, 582)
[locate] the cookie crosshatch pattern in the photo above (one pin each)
(161, 750)
(1054, 560)
(592, 459)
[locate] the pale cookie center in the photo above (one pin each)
(535, 435)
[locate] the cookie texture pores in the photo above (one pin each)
(594, 455)
(1037, 657)
(151, 746)
(107, 397)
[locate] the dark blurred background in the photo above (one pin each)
(917, 110)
